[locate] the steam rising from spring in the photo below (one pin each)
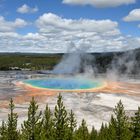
(72, 62)
(78, 59)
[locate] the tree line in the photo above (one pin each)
(28, 61)
(62, 125)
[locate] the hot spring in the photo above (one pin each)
(64, 83)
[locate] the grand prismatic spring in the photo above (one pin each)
(65, 83)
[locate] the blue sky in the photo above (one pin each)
(29, 25)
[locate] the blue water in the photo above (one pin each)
(63, 83)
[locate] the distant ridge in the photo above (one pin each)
(137, 50)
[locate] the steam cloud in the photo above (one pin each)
(79, 60)
(74, 60)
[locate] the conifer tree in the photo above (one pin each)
(103, 134)
(12, 133)
(111, 129)
(3, 131)
(120, 123)
(31, 128)
(82, 132)
(136, 125)
(60, 120)
(60, 126)
(72, 125)
(93, 134)
(48, 125)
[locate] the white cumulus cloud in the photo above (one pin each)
(56, 34)
(24, 9)
(100, 3)
(83, 25)
(8, 26)
(60, 32)
(134, 15)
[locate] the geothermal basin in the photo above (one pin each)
(92, 99)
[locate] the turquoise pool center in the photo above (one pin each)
(63, 83)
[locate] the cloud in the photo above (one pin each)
(56, 34)
(81, 25)
(60, 32)
(34, 36)
(8, 26)
(100, 3)
(24, 9)
(134, 15)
